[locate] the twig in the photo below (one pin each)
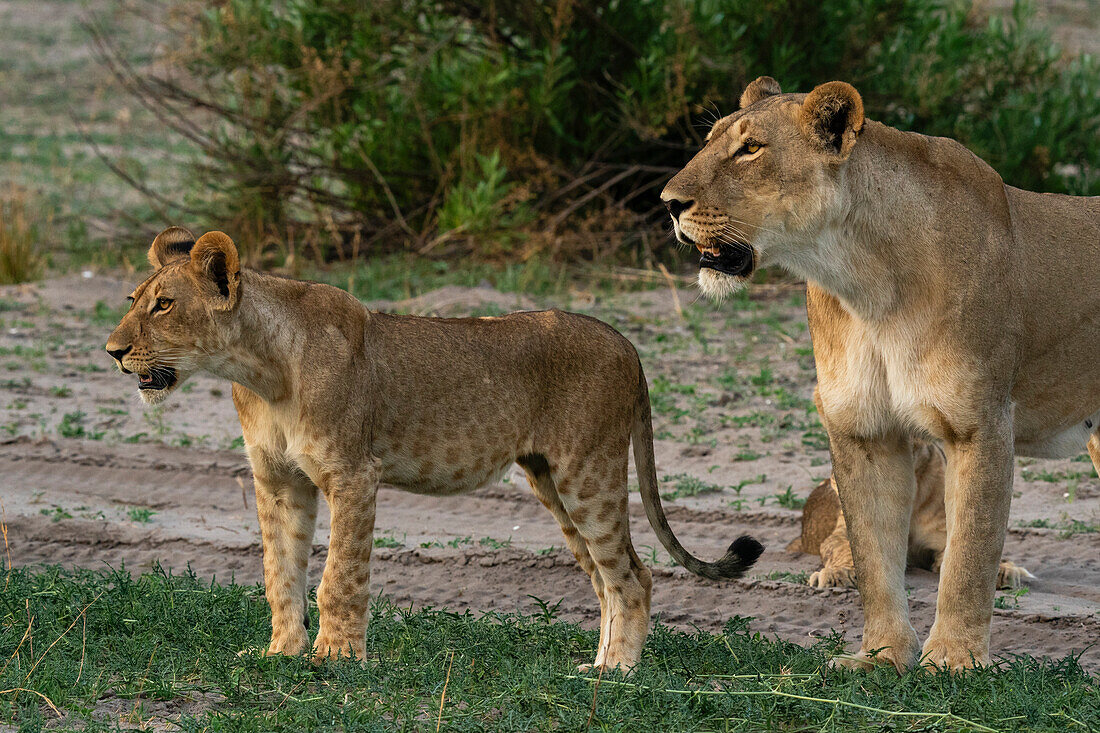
(595, 690)
(443, 697)
(777, 693)
(51, 646)
(672, 287)
(34, 692)
(244, 492)
(17, 648)
(83, 644)
(7, 547)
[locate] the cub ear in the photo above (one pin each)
(171, 244)
(832, 117)
(762, 86)
(215, 259)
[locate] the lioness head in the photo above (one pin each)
(175, 323)
(765, 180)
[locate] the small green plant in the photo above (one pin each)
(494, 543)
(788, 499)
(387, 541)
(140, 514)
(56, 513)
(60, 392)
(461, 542)
(72, 425)
(1003, 600)
(786, 576)
(482, 200)
(684, 485)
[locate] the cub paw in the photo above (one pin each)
(605, 668)
(324, 649)
(1011, 576)
(290, 646)
(833, 578)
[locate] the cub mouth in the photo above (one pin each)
(735, 259)
(158, 378)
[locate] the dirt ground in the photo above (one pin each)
(90, 478)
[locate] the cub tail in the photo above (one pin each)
(741, 554)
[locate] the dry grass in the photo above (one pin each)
(19, 260)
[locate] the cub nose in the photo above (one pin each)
(676, 207)
(117, 354)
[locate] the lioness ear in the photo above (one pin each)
(214, 256)
(832, 117)
(762, 86)
(171, 244)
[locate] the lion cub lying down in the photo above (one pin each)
(335, 399)
(825, 533)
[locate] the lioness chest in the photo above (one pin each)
(929, 382)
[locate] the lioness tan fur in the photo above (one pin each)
(336, 398)
(942, 303)
(825, 533)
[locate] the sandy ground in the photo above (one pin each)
(88, 477)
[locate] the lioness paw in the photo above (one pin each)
(952, 656)
(1011, 575)
(833, 578)
(864, 661)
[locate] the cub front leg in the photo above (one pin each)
(286, 503)
(978, 492)
(344, 594)
(876, 485)
(839, 570)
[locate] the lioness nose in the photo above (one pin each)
(119, 353)
(676, 207)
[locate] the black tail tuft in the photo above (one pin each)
(738, 558)
(747, 548)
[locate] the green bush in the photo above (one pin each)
(420, 123)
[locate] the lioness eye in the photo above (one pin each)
(164, 304)
(751, 148)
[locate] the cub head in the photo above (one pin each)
(177, 319)
(766, 180)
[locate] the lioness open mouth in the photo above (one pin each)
(157, 378)
(734, 259)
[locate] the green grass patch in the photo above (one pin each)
(81, 642)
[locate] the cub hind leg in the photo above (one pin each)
(542, 483)
(590, 493)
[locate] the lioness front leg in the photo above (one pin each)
(978, 492)
(876, 486)
(286, 503)
(343, 597)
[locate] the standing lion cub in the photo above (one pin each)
(336, 398)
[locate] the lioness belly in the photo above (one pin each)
(1036, 442)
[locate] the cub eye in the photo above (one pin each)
(163, 304)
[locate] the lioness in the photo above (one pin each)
(334, 397)
(825, 533)
(941, 303)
